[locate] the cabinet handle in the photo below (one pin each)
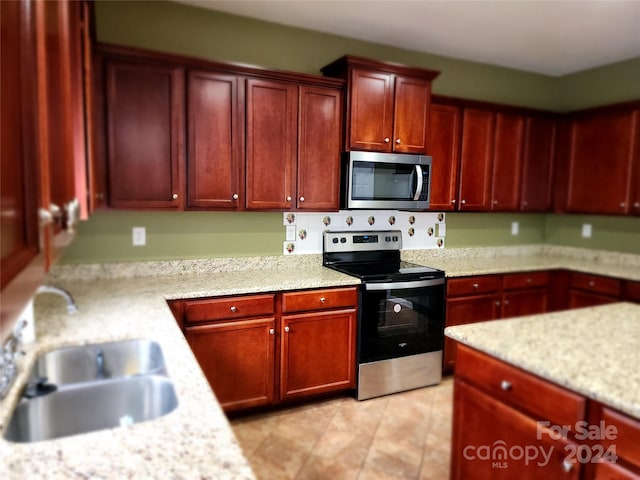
(233, 309)
(506, 385)
(322, 299)
(622, 204)
(497, 304)
(475, 285)
(288, 198)
(235, 196)
(506, 302)
(386, 139)
(636, 205)
(398, 141)
(495, 202)
(44, 216)
(453, 201)
(463, 202)
(174, 196)
(286, 329)
(272, 331)
(592, 283)
(567, 466)
(302, 199)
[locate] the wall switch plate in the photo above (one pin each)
(441, 229)
(586, 230)
(139, 236)
(291, 233)
(515, 228)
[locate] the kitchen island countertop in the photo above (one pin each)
(592, 351)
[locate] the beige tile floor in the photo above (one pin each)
(402, 436)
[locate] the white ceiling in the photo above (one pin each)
(552, 37)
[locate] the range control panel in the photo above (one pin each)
(362, 241)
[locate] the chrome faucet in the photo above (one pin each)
(71, 304)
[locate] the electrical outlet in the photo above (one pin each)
(515, 228)
(139, 236)
(586, 230)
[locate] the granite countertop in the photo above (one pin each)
(193, 441)
(592, 351)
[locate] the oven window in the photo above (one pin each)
(383, 181)
(401, 322)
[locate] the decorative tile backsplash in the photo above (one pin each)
(420, 230)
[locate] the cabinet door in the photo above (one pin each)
(371, 111)
(476, 159)
(411, 114)
(539, 147)
(600, 162)
(443, 146)
(215, 135)
(143, 162)
(272, 120)
(463, 310)
(238, 360)
(319, 147)
(318, 353)
(507, 162)
(488, 435)
(524, 302)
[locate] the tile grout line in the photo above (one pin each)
(371, 438)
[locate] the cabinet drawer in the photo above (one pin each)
(228, 308)
(514, 281)
(472, 285)
(628, 434)
(319, 299)
(539, 398)
(596, 284)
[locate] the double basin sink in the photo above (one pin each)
(92, 387)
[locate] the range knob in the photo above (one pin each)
(343, 240)
(335, 240)
(387, 239)
(395, 238)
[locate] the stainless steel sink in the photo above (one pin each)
(87, 407)
(92, 387)
(85, 363)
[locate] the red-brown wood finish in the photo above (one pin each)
(634, 202)
(538, 162)
(631, 291)
(318, 353)
(319, 147)
(527, 302)
(238, 360)
(227, 308)
(507, 162)
(581, 299)
(481, 420)
(476, 160)
(301, 301)
(144, 162)
(371, 111)
(473, 285)
(602, 148)
(271, 115)
(412, 97)
(627, 434)
(612, 471)
(444, 146)
(215, 154)
(596, 284)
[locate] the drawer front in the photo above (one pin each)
(473, 285)
(540, 398)
(632, 291)
(319, 299)
(596, 284)
(514, 281)
(198, 311)
(627, 441)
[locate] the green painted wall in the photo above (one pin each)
(181, 29)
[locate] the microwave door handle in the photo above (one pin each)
(418, 183)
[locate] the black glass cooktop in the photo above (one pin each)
(387, 271)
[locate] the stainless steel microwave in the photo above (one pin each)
(385, 181)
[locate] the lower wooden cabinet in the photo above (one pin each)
(587, 290)
(258, 350)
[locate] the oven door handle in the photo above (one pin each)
(403, 285)
(418, 183)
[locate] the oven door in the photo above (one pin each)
(400, 319)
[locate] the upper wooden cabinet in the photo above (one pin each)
(387, 105)
(507, 162)
(144, 134)
(602, 150)
(476, 159)
(215, 141)
(444, 148)
(537, 168)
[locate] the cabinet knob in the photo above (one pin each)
(567, 466)
(453, 201)
(386, 139)
(529, 280)
(235, 196)
(506, 385)
(475, 285)
(174, 196)
(592, 283)
(398, 141)
(463, 202)
(497, 304)
(288, 198)
(99, 196)
(322, 299)
(525, 203)
(622, 204)
(272, 331)
(233, 309)
(636, 205)
(495, 202)
(506, 302)
(286, 329)
(302, 199)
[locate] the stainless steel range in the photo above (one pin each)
(401, 319)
